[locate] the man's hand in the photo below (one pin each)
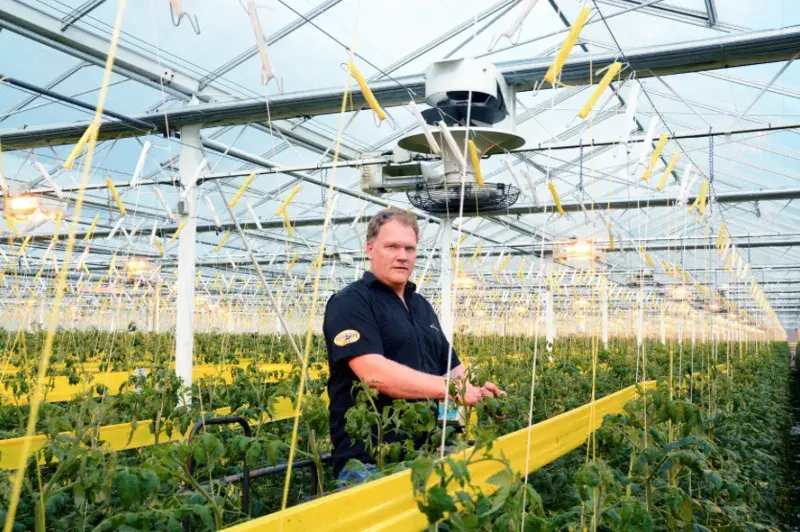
(489, 389)
(471, 396)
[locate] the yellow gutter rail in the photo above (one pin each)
(388, 504)
(124, 437)
(62, 390)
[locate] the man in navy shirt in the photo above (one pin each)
(379, 330)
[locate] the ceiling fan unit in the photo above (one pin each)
(469, 101)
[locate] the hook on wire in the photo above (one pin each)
(177, 15)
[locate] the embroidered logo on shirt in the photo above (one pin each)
(346, 337)
(434, 327)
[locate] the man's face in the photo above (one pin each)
(393, 253)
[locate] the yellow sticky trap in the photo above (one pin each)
(503, 264)
(287, 223)
(672, 162)
(291, 263)
(477, 251)
(612, 244)
(24, 244)
(91, 132)
(241, 190)
(111, 264)
(662, 141)
(647, 258)
(13, 227)
(91, 228)
(59, 216)
(723, 229)
(367, 92)
(176, 233)
(224, 239)
(556, 199)
(700, 200)
(612, 71)
(288, 199)
(114, 193)
(476, 162)
(521, 270)
(157, 244)
(554, 72)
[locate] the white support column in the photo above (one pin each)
(446, 311)
(184, 318)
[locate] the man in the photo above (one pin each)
(379, 330)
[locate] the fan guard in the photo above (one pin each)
(440, 199)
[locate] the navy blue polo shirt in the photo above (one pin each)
(368, 317)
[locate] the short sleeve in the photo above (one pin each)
(444, 352)
(350, 327)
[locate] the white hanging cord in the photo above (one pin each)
(137, 172)
(212, 212)
(514, 30)
(163, 202)
(425, 129)
(46, 177)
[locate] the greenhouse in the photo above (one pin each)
(341, 265)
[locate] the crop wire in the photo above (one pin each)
(61, 284)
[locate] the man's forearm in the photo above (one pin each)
(397, 380)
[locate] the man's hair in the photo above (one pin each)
(386, 215)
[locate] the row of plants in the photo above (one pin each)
(707, 456)
(76, 485)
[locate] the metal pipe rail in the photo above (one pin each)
(710, 54)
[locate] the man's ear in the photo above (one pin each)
(370, 248)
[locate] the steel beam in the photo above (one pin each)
(731, 51)
(711, 10)
(742, 196)
(91, 47)
(79, 12)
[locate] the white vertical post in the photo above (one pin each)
(446, 311)
(184, 318)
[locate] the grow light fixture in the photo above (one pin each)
(464, 282)
(21, 208)
(137, 267)
(576, 251)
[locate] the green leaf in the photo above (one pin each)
(128, 488)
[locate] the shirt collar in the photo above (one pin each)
(370, 279)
